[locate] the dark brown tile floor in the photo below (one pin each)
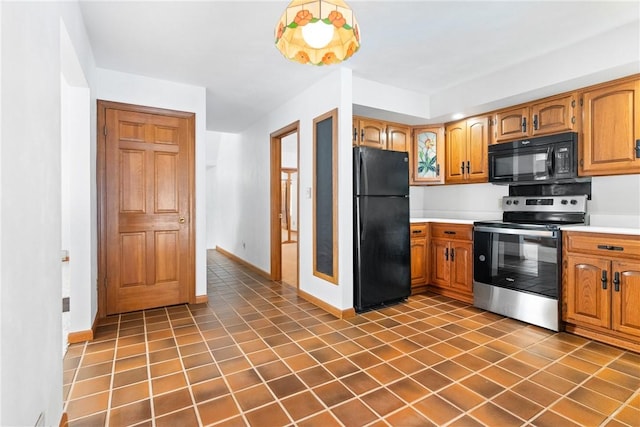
(258, 355)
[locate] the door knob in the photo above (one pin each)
(181, 220)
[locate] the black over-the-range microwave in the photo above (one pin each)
(544, 159)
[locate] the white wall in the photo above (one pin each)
(615, 201)
(30, 226)
(77, 190)
(213, 146)
(139, 90)
(244, 176)
(607, 56)
(461, 201)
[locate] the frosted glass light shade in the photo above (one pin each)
(317, 32)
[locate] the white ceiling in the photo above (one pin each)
(423, 46)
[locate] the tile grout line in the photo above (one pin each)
(113, 372)
(149, 379)
(309, 389)
(75, 376)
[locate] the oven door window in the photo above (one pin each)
(522, 263)
(530, 165)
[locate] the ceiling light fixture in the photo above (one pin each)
(318, 32)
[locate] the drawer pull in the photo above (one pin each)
(449, 232)
(416, 231)
(611, 248)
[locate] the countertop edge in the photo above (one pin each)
(445, 220)
(602, 229)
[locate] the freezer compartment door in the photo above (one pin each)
(382, 251)
(380, 172)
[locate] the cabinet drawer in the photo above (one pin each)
(614, 245)
(418, 230)
(443, 230)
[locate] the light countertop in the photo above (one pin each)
(581, 228)
(445, 220)
(602, 229)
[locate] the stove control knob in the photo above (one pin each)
(564, 201)
(515, 202)
(508, 202)
(574, 202)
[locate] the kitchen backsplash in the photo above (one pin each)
(463, 201)
(615, 201)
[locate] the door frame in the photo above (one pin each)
(102, 108)
(276, 199)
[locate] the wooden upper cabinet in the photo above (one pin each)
(456, 152)
(398, 137)
(370, 133)
(510, 124)
(611, 130)
(554, 116)
(381, 134)
(466, 151)
(427, 158)
(477, 155)
(544, 117)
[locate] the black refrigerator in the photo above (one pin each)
(382, 265)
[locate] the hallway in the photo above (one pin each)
(258, 355)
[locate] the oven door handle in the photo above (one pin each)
(518, 231)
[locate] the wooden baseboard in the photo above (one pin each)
(243, 262)
(64, 420)
(340, 314)
(201, 299)
(603, 337)
(82, 336)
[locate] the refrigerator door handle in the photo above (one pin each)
(364, 176)
(363, 218)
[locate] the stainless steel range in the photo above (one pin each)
(517, 261)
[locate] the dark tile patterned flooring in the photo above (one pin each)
(258, 355)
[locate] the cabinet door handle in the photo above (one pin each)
(535, 122)
(604, 279)
(452, 254)
(637, 148)
(355, 134)
(462, 168)
(446, 254)
(362, 135)
(611, 248)
(524, 125)
(616, 281)
(438, 169)
(468, 167)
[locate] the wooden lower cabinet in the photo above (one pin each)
(451, 260)
(601, 292)
(419, 250)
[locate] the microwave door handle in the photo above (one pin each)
(550, 161)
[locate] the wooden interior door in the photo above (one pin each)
(147, 208)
